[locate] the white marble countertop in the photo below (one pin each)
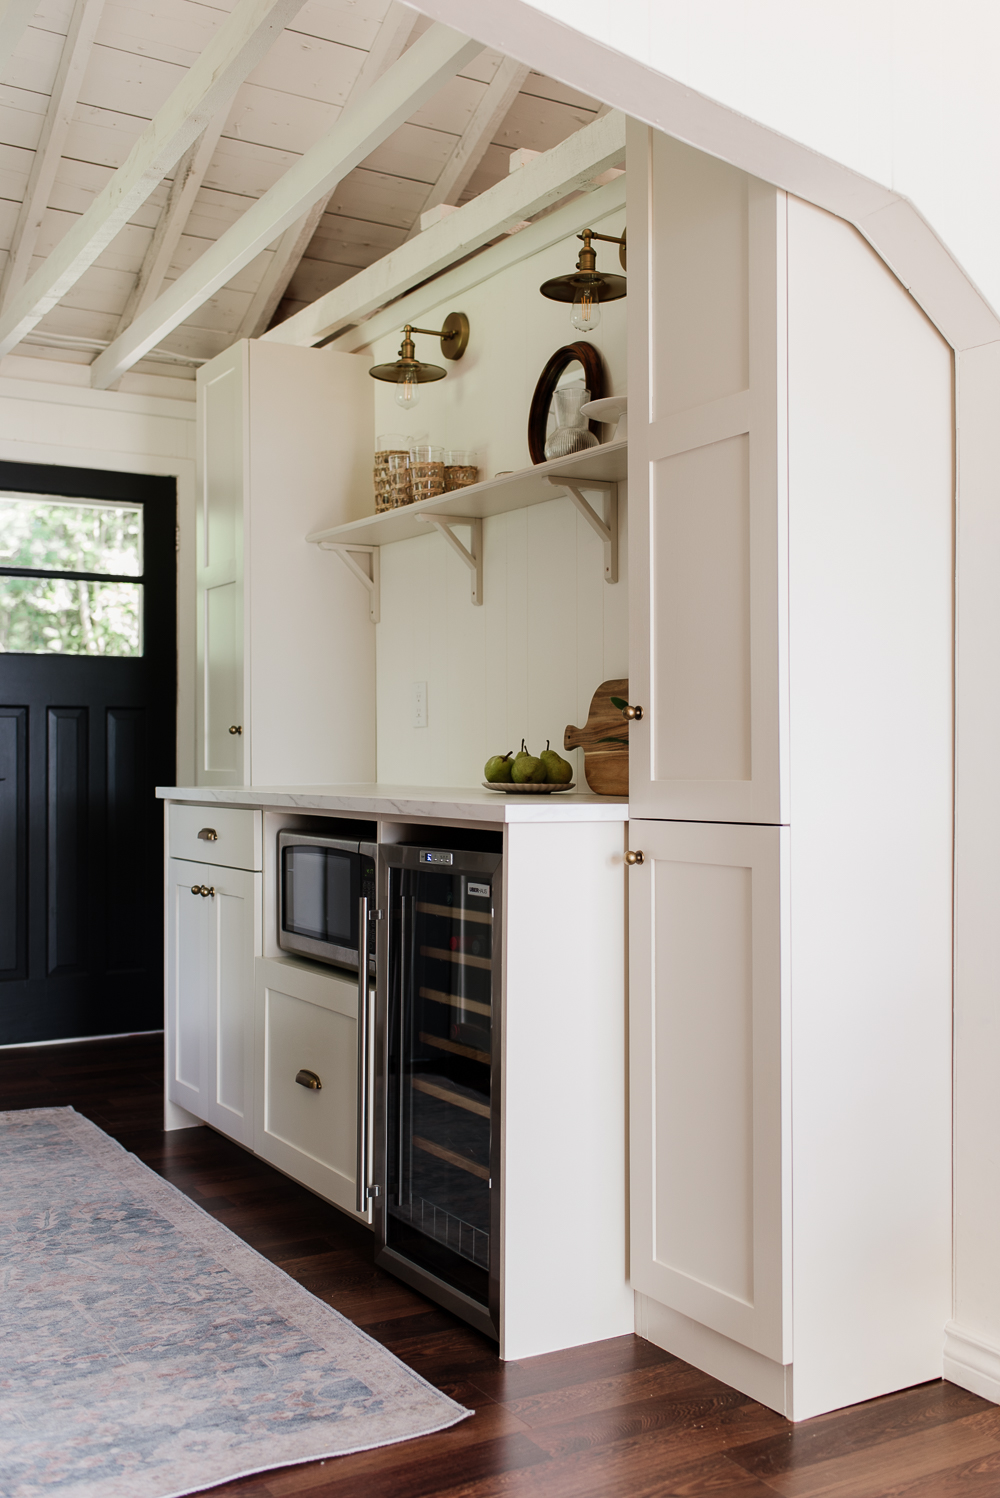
(460, 803)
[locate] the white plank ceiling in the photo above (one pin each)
(141, 50)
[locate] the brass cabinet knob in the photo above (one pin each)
(236, 728)
(632, 713)
(202, 889)
(308, 1079)
(206, 890)
(636, 857)
(209, 835)
(196, 889)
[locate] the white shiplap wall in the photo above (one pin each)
(550, 630)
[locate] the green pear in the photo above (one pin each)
(528, 769)
(559, 770)
(499, 767)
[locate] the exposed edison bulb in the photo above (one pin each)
(586, 313)
(407, 391)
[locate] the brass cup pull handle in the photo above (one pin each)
(632, 713)
(306, 1078)
(236, 728)
(633, 858)
(208, 835)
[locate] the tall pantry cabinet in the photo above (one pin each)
(286, 646)
(791, 564)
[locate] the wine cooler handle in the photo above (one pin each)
(404, 970)
(364, 1029)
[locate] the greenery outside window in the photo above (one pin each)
(71, 576)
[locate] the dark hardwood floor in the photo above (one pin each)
(614, 1418)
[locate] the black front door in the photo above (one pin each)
(87, 712)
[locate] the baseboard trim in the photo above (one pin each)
(972, 1363)
(768, 1382)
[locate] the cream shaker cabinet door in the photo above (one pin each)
(223, 722)
(307, 1077)
(706, 487)
(215, 929)
(709, 1077)
(189, 970)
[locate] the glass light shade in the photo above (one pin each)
(407, 390)
(586, 313)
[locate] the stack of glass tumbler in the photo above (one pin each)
(408, 469)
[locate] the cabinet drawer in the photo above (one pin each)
(307, 1022)
(237, 840)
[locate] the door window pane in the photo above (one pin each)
(65, 616)
(70, 535)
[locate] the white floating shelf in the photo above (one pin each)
(515, 491)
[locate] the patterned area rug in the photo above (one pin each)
(146, 1352)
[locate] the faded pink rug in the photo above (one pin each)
(146, 1352)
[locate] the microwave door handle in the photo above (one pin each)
(364, 1030)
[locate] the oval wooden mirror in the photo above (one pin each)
(575, 361)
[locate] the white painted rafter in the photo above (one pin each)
(477, 137)
(189, 174)
(14, 18)
(567, 168)
(49, 151)
(234, 51)
(539, 236)
(399, 93)
(388, 46)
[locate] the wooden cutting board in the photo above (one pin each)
(604, 741)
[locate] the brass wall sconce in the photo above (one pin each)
(408, 374)
(586, 288)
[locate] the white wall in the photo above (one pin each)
(901, 94)
(528, 661)
(49, 414)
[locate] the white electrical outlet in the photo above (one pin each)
(420, 704)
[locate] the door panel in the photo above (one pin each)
(222, 459)
(127, 779)
(706, 488)
(710, 1168)
(13, 841)
(235, 915)
(215, 933)
(189, 971)
(67, 838)
(84, 740)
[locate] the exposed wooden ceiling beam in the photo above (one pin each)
(391, 39)
(48, 153)
(189, 174)
(235, 50)
(552, 228)
(14, 18)
(477, 137)
(399, 93)
(568, 167)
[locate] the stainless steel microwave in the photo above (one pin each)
(326, 887)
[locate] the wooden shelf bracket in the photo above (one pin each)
(473, 558)
(372, 582)
(607, 529)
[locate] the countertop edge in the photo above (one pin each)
(448, 802)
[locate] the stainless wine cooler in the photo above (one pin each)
(437, 1137)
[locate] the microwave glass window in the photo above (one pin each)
(320, 895)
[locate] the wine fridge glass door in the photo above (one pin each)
(439, 1074)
